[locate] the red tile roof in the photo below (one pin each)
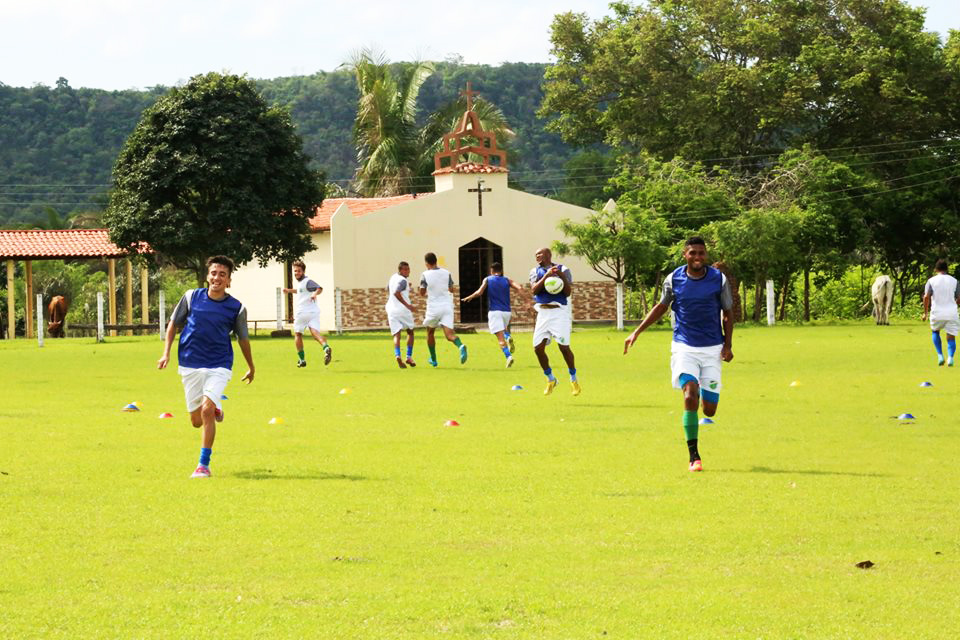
(38, 244)
(358, 207)
(471, 167)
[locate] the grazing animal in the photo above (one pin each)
(882, 294)
(58, 312)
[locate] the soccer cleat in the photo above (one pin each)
(463, 353)
(219, 414)
(950, 361)
(327, 355)
(432, 362)
(939, 360)
(301, 364)
(575, 387)
(201, 472)
(400, 363)
(513, 346)
(509, 362)
(696, 465)
(550, 385)
(410, 362)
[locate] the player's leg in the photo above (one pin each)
(446, 322)
(497, 324)
(951, 348)
(502, 341)
(691, 423)
(567, 353)
(432, 346)
(396, 349)
(410, 348)
(298, 341)
(938, 345)
(327, 351)
(193, 394)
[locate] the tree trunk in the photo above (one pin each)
(757, 302)
(643, 301)
(783, 303)
(806, 294)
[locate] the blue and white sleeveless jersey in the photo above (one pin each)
(498, 293)
(696, 304)
(206, 326)
(544, 297)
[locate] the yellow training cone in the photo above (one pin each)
(795, 383)
(344, 391)
(276, 421)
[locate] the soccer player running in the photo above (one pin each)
(400, 313)
(437, 284)
(205, 355)
(554, 321)
(940, 297)
(308, 313)
(702, 335)
(498, 288)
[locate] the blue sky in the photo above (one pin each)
(122, 44)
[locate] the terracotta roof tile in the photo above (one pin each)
(358, 207)
(471, 167)
(60, 243)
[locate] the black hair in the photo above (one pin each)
(942, 265)
(221, 260)
(403, 263)
(692, 240)
(430, 258)
(496, 267)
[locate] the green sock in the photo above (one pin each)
(326, 347)
(300, 353)
(457, 342)
(691, 427)
(433, 351)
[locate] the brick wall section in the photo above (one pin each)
(363, 308)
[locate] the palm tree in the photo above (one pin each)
(394, 156)
(385, 129)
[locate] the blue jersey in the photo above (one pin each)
(207, 323)
(697, 303)
(545, 297)
(498, 293)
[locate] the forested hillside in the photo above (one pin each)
(58, 144)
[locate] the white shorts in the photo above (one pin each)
(951, 326)
(198, 383)
(703, 363)
(304, 321)
(498, 320)
(552, 324)
(442, 316)
(400, 320)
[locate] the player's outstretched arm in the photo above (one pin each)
(515, 285)
(248, 356)
(477, 293)
(652, 317)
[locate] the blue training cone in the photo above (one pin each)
(905, 416)
(706, 421)
(926, 384)
(516, 387)
(223, 397)
(131, 407)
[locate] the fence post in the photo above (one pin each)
(40, 319)
(279, 308)
(619, 306)
(771, 304)
(162, 305)
(99, 316)
(338, 309)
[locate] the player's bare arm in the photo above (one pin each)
(477, 293)
(167, 345)
(652, 317)
(244, 344)
(926, 305)
(727, 351)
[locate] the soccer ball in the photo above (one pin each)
(553, 284)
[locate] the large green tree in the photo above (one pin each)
(738, 78)
(211, 169)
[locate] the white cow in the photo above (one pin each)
(882, 293)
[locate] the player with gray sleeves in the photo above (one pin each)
(701, 300)
(941, 294)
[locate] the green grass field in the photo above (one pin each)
(538, 517)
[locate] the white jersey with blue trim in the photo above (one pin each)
(305, 301)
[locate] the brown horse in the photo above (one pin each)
(58, 312)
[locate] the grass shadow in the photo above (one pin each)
(269, 474)
(811, 472)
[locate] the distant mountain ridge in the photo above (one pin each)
(58, 144)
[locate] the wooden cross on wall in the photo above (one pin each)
(480, 190)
